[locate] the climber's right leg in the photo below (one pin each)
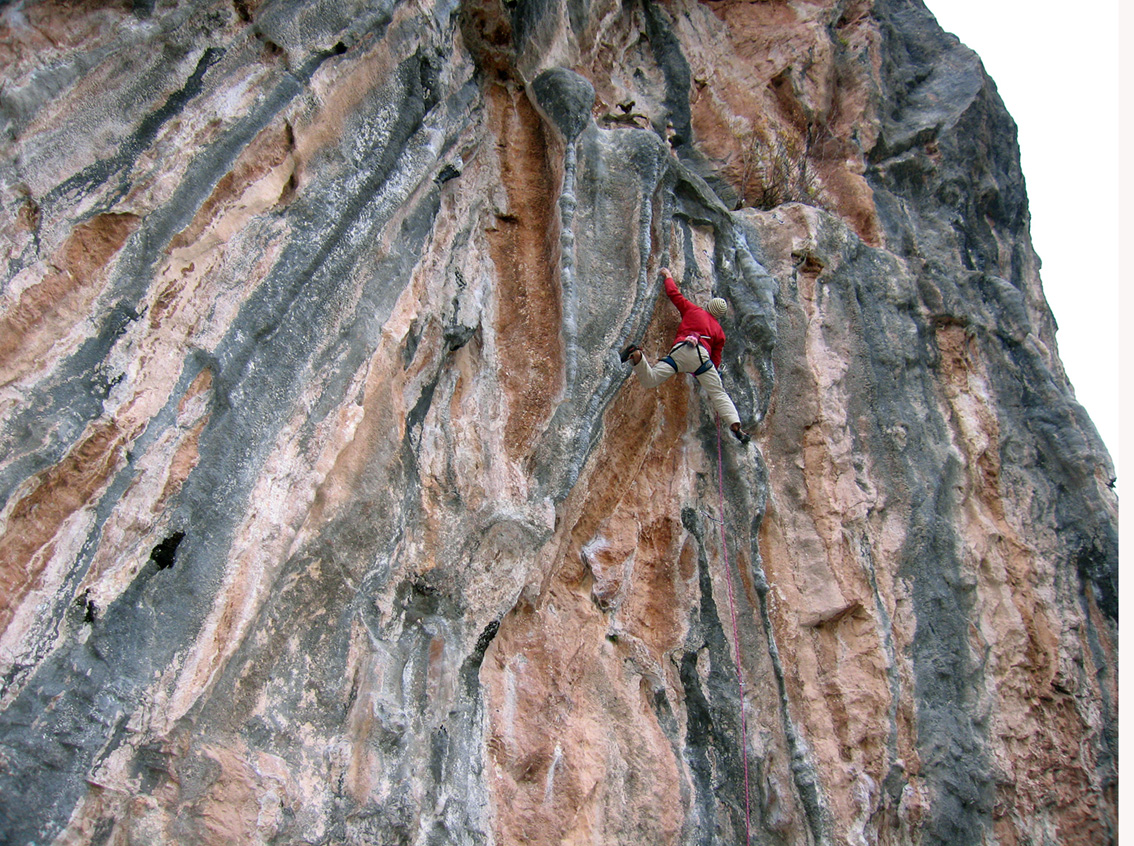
(723, 405)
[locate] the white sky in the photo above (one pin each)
(1056, 68)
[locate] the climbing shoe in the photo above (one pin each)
(629, 351)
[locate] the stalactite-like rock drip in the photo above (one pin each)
(328, 513)
(568, 98)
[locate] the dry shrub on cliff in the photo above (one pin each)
(773, 171)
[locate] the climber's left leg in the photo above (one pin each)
(652, 375)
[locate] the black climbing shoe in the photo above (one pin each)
(741, 435)
(629, 351)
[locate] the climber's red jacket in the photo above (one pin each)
(696, 321)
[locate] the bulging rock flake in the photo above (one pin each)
(328, 513)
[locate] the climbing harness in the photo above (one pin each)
(692, 341)
(735, 638)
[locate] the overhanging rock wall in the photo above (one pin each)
(329, 515)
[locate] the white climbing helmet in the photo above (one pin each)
(717, 307)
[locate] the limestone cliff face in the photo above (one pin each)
(329, 515)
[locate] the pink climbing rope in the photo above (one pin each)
(735, 640)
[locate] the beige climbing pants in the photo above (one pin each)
(689, 358)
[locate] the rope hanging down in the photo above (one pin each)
(735, 640)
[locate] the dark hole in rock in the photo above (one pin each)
(446, 173)
(163, 553)
(90, 612)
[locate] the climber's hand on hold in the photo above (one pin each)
(665, 273)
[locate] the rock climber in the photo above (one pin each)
(696, 349)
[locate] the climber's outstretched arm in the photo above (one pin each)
(683, 305)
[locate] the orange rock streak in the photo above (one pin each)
(40, 513)
(528, 306)
(47, 309)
